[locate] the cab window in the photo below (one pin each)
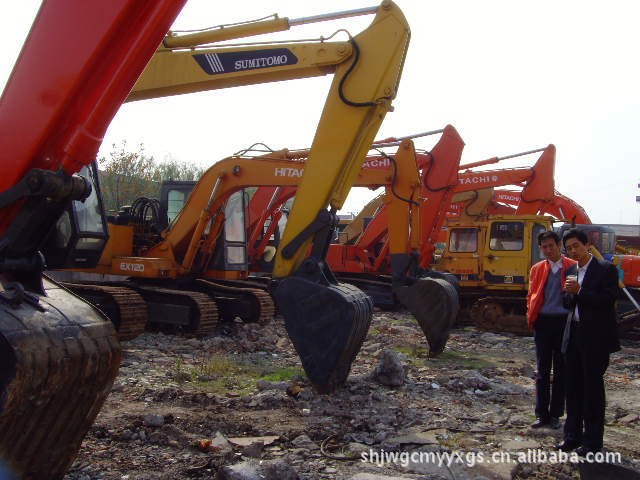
(177, 199)
(463, 240)
(507, 236)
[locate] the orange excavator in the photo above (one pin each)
(59, 355)
(467, 190)
(442, 188)
(205, 241)
(184, 258)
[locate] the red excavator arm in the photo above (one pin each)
(57, 106)
(560, 206)
(537, 192)
(58, 356)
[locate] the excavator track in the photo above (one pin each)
(59, 357)
(125, 308)
(193, 312)
(500, 314)
(250, 304)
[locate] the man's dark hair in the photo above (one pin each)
(548, 235)
(576, 233)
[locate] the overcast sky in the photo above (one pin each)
(509, 75)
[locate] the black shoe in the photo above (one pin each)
(554, 422)
(567, 445)
(540, 422)
(582, 451)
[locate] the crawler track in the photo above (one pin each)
(250, 304)
(125, 307)
(194, 312)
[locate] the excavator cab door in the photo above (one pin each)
(461, 256)
(507, 254)
(231, 249)
(80, 234)
(235, 232)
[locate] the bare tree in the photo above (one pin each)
(127, 175)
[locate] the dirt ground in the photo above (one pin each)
(236, 406)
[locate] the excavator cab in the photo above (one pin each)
(80, 234)
(231, 250)
(510, 248)
(495, 253)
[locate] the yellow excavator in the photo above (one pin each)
(58, 355)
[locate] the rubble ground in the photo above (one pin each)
(237, 406)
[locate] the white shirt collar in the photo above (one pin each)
(555, 266)
(586, 265)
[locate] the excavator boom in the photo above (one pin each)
(58, 355)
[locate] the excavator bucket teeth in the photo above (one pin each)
(434, 303)
(56, 370)
(327, 325)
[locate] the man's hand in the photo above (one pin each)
(571, 284)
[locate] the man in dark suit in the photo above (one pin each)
(590, 337)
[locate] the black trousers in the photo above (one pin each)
(585, 392)
(550, 393)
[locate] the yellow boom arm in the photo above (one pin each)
(366, 70)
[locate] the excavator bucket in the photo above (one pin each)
(327, 325)
(434, 303)
(58, 359)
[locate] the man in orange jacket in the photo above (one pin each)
(547, 316)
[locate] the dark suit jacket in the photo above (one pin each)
(596, 306)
